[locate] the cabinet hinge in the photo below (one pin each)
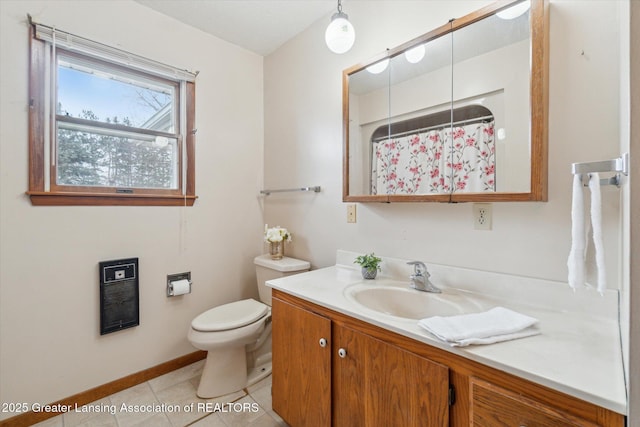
(452, 395)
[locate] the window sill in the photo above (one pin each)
(44, 198)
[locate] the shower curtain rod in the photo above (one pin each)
(439, 126)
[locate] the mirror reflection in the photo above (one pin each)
(411, 156)
(368, 109)
(491, 67)
(445, 116)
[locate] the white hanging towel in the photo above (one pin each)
(576, 261)
(596, 224)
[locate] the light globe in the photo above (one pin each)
(340, 34)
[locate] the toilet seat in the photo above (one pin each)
(230, 316)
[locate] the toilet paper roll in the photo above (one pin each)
(181, 287)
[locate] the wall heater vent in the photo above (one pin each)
(119, 295)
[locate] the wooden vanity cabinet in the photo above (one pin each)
(385, 379)
(350, 379)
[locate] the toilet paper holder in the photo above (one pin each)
(177, 277)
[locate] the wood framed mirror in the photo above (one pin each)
(459, 114)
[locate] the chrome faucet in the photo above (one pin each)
(420, 278)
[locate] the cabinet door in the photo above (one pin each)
(493, 406)
(378, 384)
(349, 352)
(301, 382)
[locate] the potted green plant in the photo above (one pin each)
(370, 264)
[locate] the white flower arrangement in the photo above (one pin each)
(276, 234)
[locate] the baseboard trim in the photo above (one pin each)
(104, 390)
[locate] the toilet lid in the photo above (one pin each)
(284, 265)
(230, 316)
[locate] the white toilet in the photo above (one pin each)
(237, 336)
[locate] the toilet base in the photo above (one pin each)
(224, 372)
(260, 370)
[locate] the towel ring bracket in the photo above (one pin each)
(619, 165)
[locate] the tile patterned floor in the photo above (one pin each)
(170, 400)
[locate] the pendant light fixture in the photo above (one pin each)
(340, 34)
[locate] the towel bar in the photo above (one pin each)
(315, 189)
(619, 165)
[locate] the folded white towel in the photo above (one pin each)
(495, 325)
(497, 338)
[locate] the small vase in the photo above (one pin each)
(369, 273)
(276, 249)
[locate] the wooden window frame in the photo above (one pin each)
(58, 195)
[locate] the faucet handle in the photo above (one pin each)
(419, 268)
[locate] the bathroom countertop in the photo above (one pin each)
(578, 351)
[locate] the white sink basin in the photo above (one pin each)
(407, 303)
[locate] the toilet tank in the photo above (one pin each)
(269, 269)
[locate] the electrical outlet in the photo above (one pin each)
(482, 216)
(351, 213)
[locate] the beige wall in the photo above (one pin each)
(48, 256)
(303, 146)
(303, 137)
(49, 319)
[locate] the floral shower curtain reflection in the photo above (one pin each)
(445, 160)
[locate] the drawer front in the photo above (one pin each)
(493, 406)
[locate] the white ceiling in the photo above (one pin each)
(257, 25)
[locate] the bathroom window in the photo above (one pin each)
(107, 127)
